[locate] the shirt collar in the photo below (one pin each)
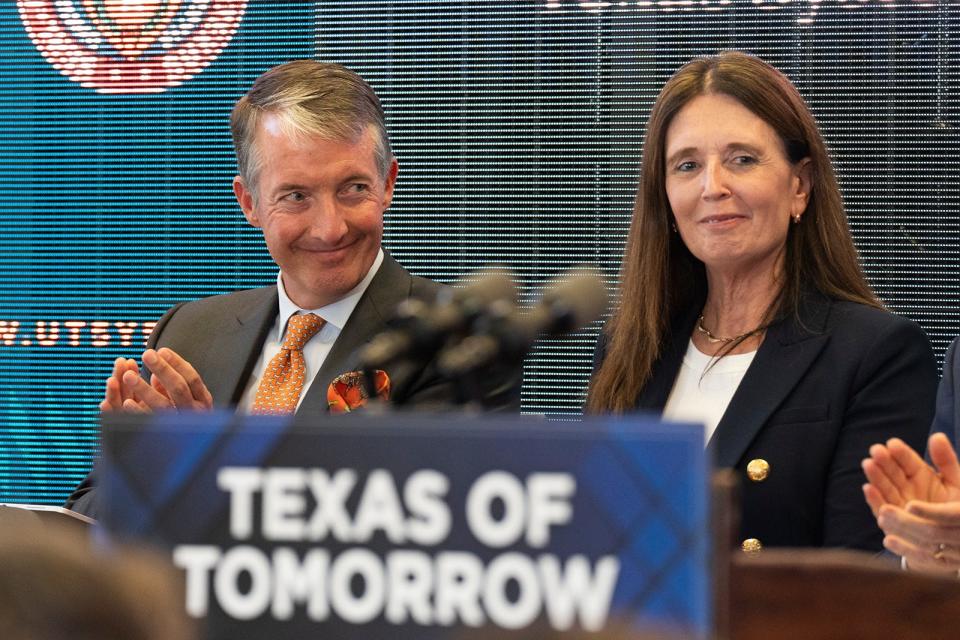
(336, 313)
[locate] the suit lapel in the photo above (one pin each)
(655, 393)
(786, 354)
(389, 287)
(248, 327)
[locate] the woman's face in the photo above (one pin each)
(731, 188)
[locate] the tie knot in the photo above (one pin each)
(300, 329)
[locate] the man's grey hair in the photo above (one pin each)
(308, 98)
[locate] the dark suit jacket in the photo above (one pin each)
(822, 388)
(223, 336)
(947, 418)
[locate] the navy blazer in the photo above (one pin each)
(822, 388)
(947, 418)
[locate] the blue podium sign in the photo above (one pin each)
(412, 526)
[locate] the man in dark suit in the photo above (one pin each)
(316, 174)
(916, 503)
(947, 420)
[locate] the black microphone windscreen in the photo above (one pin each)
(576, 298)
(477, 291)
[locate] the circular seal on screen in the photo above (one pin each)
(127, 46)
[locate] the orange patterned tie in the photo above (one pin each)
(282, 382)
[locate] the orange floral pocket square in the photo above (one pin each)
(347, 391)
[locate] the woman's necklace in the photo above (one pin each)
(717, 339)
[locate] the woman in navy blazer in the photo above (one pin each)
(743, 306)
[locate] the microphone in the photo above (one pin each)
(421, 328)
(569, 302)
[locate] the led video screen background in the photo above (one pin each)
(518, 126)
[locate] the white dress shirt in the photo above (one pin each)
(704, 397)
(315, 351)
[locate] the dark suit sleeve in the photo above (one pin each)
(154, 338)
(599, 353)
(945, 421)
(892, 394)
(494, 389)
(83, 498)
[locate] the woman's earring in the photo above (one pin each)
(796, 218)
